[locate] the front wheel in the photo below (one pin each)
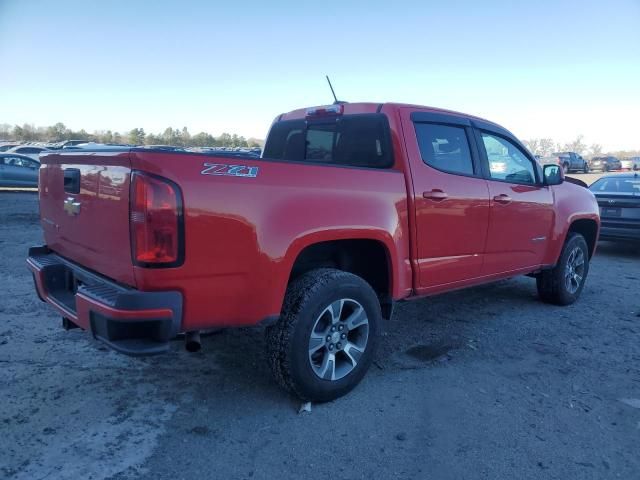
(563, 284)
(326, 336)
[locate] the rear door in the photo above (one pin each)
(451, 198)
(84, 208)
(522, 212)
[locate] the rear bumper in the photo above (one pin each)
(127, 320)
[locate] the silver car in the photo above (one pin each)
(632, 163)
(32, 151)
(18, 170)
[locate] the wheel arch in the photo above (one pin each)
(588, 228)
(369, 257)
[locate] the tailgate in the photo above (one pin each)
(84, 209)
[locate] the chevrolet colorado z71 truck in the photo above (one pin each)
(352, 208)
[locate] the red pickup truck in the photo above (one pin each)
(351, 208)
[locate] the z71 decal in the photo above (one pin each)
(229, 170)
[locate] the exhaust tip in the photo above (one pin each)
(192, 342)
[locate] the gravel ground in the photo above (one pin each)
(486, 383)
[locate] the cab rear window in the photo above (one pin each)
(350, 140)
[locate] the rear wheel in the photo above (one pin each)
(585, 169)
(326, 336)
(563, 284)
(565, 167)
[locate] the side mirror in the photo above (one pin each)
(552, 175)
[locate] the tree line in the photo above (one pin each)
(547, 146)
(136, 136)
(182, 138)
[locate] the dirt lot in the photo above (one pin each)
(487, 383)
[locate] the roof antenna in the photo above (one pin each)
(336, 102)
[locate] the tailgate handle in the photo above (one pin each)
(72, 180)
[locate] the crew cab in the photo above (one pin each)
(351, 208)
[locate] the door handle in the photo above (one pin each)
(502, 198)
(435, 194)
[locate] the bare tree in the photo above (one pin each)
(546, 146)
(540, 146)
(577, 145)
(533, 145)
(595, 150)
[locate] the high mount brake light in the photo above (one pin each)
(157, 236)
(325, 110)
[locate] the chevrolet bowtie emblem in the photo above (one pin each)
(71, 206)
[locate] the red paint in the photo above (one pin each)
(242, 235)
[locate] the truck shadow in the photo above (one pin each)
(423, 333)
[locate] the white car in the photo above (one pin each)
(632, 163)
(28, 150)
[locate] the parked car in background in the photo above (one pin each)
(631, 163)
(569, 161)
(6, 146)
(18, 170)
(572, 162)
(72, 143)
(168, 148)
(605, 164)
(619, 200)
(32, 151)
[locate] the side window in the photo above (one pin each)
(506, 161)
(445, 148)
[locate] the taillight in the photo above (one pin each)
(157, 232)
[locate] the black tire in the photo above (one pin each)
(288, 341)
(552, 284)
(605, 169)
(585, 169)
(565, 167)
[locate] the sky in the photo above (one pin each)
(541, 69)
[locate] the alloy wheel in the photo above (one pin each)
(574, 270)
(338, 339)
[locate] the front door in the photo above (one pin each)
(522, 212)
(451, 200)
